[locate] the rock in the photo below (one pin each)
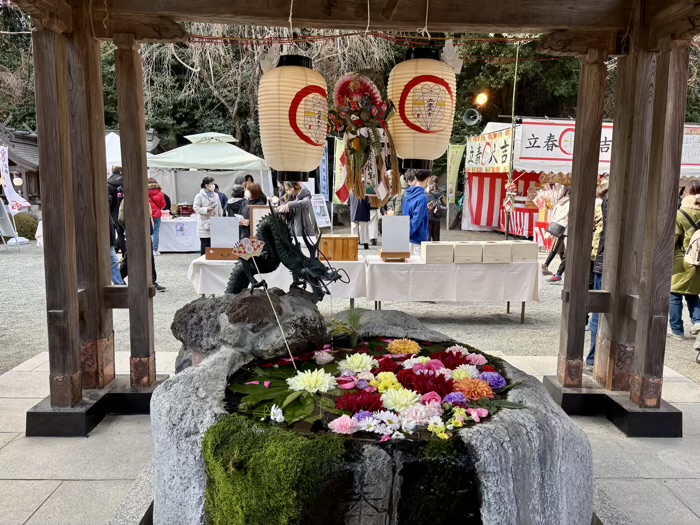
(205, 325)
(393, 323)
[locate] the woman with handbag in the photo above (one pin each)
(558, 223)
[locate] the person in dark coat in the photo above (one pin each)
(222, 197)
(235, 202)
(436, 207)
(116, 273)
(253, 197)
(115, 187)
(360, 211)
(598, 268)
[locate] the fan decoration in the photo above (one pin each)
(248, 248)
(359, 116)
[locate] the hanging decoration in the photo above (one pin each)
(423, 89)
(360, 116)
(293, 117)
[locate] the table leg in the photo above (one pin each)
(352, 304)
(380, 305)
(522, 313)
(507, 307)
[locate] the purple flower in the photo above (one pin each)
(494, 379)
(362, 384)
(362, 415)
(455, 398)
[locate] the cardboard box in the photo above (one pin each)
(497, 251)
(220, 254)
(524, 251)
(437, 252)
(339, 247)
(468, 252)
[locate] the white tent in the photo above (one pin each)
(113, 149)
(209, 151)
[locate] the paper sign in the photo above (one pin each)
(454, 159)
(489, 153)
(16, 202)
(318, 203)
(396, 231)
(224, 232)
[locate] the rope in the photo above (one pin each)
(369, 17)
(275, 312)
(424, 31)
(291, 13)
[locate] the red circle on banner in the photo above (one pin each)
(483, 153)
(408, 88)
(561, 140)
(294, 109)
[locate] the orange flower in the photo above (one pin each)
(403, 346)
(474, 389)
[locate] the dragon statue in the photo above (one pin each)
(282, 248)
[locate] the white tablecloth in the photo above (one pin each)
(416, 281)
(179, 235)
(211, 277)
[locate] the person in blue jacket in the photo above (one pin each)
(415, 205)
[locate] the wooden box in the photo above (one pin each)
(524, 251)
(497, 251)
(437, 252)
(468, 252)
(220, 254)
(339, 247)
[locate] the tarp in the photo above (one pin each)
(208, 151)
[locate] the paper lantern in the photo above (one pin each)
(423, 89)
(293, 117)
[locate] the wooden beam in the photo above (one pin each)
(624, 228)
(480, 16)
(145, 28)
(117, 297)
(598, 301)
(632, 307)
(51, 15)
(577, 43)
(674, 19)
(62, 305)
(90, 199)
(589, 119)
(132, 127)
(660, 224)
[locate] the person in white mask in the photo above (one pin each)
(206, 205)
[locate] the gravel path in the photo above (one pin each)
(484, 325)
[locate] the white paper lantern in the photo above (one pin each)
(293, 117)
(423, 90)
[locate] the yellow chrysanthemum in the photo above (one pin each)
(386, 381)
(403, 346)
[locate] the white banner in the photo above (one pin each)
(489, 152)
(16, 202)
(547, 141)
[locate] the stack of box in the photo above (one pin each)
(524, 251)
(474, 252)
(468, 252)
(437, 252)
(497, 251)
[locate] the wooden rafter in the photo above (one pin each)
(577, 43)
(678, 20)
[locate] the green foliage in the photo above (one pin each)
(349, 328)
(26, 226)
(260, 474)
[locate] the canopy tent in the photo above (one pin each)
(113, 149)
(209, 151)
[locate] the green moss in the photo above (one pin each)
(260, 474)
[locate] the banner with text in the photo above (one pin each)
(16, 202)
(454, 160)
(489, 153)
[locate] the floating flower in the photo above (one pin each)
(385, 438)
(400, 399)
(358, 363)
(425, 381)
(358, 402)
(465, 372)
(459, 416)
(494, 379)
(450, 360)
(408, 426)
(403, 346)
(367, 376)
(474, 389)
(477, 414)
(455, 398)
(408, 364)
(457, 349)
(476, 359)
(362, 384)
(312, 381)
(391, 420)
(347, 382)
(323, 358)
(488, 368)
(388, 365)
(386, 381)
(445, 372)
(433, 365)
(431, 397)
(371, 424)
(344, 425)
(437, 427)
(363, 414)
(276, 414)
(419, 415)
(398, 435)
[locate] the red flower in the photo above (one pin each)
(354, 402)
(488, 368)
(425, 381)
(388, 365)
(451, 360)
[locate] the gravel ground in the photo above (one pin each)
(484, 325)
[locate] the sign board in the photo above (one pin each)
(318, 204)
(396, 230)
(224, 232)
(324, 190)
(489, 152)
(454, 159)
(548, 141)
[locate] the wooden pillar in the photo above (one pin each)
(90, 199)
(659, 225)
(624, 228)
(51, 82)
(132, 132)
(589, 119)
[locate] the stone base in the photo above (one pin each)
(593, 400)
(119, 397)
(589, 400)
(663, 422)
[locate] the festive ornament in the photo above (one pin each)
(293, 117)
(248, 248)
(423, 89)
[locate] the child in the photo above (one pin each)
(415, 205)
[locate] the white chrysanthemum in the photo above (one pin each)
(400, 399)
(369, 424)
(398, 435)
(444, 372)
(315, 381)
(358, 363)
(465, 372)
(323, 358)
(390, 419)
(276, 414)
(457, 349)
(436, 422)
(408, 426)
(419, 360)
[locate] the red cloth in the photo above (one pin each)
(157, 201)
